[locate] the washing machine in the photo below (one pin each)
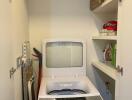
(64, 71)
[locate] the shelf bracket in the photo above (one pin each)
(12, 71)
(120, 70)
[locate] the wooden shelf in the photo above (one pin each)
(104, 37)
(108, 6)
(108, 70)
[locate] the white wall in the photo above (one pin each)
(19, 35)
(64, 19)
(59, 19)
(13, 31)
(6, 84)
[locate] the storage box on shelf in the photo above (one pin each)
(104, 6)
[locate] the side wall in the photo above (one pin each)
(19, 35)
(59, 19)
(6, 84)
(13, 31)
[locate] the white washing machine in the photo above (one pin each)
(64, 71)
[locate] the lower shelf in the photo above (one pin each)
(111, 72)
(104, 38)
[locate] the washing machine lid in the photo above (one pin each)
(64, 58)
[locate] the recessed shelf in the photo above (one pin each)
(108, 70)
(104, 37)
(108, 6)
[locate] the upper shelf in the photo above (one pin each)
(108, 6)
(108, 70)
(104, 37)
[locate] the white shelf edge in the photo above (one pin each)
(104, 37)
(111, 72)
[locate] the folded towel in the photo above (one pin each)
(29, 90)
(31, 93)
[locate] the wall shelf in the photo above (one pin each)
(108, 70)
(104, 37)
(108, 6)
